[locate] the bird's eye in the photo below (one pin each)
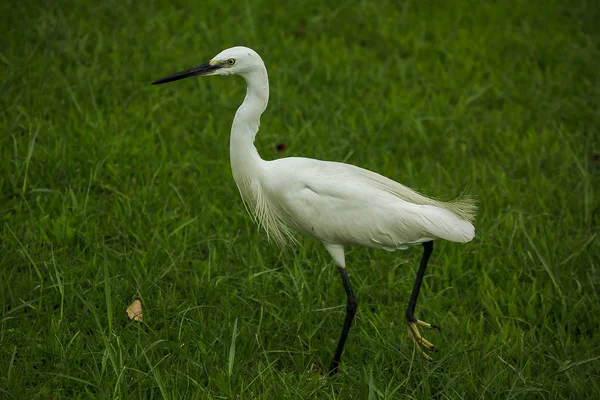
(230, 62)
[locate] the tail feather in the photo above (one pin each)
(464, 206)
(445, 224)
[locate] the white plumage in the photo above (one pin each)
(338, 204)
(343, 204)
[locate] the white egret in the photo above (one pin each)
(338, 204)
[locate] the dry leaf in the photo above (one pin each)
(134, 311)
(281, 147)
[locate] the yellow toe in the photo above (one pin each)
(420, 341)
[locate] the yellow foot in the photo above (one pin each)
(415, 335)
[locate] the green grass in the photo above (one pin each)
(112, 189)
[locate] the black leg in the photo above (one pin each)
(412, 302)
(351, 307)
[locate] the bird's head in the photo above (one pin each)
(235, 60)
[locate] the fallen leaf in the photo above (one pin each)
(316, 367)
(134, 311)
(281, 147)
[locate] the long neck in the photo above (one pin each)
(243, 154)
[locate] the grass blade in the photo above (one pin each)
(232, 349)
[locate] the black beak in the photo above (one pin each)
(204, 69)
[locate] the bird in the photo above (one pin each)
(336, 203)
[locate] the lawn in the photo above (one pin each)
(114, 190)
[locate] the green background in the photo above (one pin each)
(112, 190)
